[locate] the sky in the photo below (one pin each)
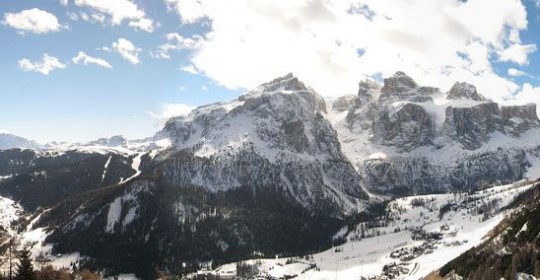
(77, 70)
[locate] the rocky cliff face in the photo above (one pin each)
(272, 137)
(519, 119)
(343, 103)
(473, 126)
(406, 126)
(407, 139)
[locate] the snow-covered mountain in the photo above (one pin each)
(262, 174)
(404, 138)
(273, 137)
(278, 170)
(10, 141)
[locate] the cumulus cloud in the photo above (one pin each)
(143, 24)
(515, 72)
(176, 42)
(45, 66)
(83, 58)
(34, 21)
(120, 11)
(517, 53)
(127, 50)
(331, 45)
(170, 110)
(528, 94)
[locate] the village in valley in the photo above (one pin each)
(416, 236)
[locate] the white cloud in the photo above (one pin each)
(73, 16)
(83, 58)
(176, 42)
(517, 53)
(45, 66)
(204, 88)
(120, 11)
(170, 110)
(93, 17)
(190, 69)
(63, 2)
(97, 17)
(34, 21)
(127, 50)
(528, 94)
(515, 72)
(435, 42)
(143, 24)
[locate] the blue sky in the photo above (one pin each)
(80, 103)
(229, 46)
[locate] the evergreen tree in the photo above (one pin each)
(25, 270)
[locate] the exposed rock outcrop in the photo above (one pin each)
(266, 138)
(464, 91)
(397, 86)
(343, 103)
(472, 126)
(402, 141)
(519, 119)
(406, 127)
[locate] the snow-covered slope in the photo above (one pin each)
(418, 235)
(405, 139)
(116, 145)
(263, 172)
(273, 137)
(10, 141)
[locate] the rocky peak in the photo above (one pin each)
(282, 113)
(114, 141)
(343, 103)
(408, 126)
(464, 91)
(367, 87)
(397, 85)
(285, 83)
(366, 90)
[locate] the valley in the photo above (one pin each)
(418, 235)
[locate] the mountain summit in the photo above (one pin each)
(407, 138)
(10, 141)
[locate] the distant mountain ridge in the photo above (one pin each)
(10, 141)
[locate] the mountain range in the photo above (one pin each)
(277, 171)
